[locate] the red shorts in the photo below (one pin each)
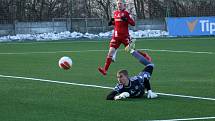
(116, 41)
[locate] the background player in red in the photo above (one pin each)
(120, 21)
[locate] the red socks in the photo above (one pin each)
(107, 63)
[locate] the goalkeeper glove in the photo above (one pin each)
(122, 96)
(151, 94)
(111, 22)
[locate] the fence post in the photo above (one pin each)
(86, 20)
(53, 24)
(68, 24)
(15, 27)
(103, 27)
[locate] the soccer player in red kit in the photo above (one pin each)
(120, 22)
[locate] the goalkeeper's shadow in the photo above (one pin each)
(144, 98)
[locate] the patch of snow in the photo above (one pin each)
(76, 35)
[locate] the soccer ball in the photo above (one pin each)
(65, 63)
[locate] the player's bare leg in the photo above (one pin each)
(114, 56)
(109, 57)
(131, 46)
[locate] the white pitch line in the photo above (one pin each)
(97, 86)
(186, 119)
(193, 97)
(67, 51)
(179, 51)
(52, 81)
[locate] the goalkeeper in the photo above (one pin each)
(133, 87)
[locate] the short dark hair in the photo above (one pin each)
(123, 71)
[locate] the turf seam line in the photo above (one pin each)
(179, 51)
(97, 86)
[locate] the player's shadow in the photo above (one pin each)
(140, 99)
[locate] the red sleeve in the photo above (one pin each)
(131, 20)
(113, 22)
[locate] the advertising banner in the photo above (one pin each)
(190, 26)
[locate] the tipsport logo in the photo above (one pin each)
(205, 25)
(192, 25)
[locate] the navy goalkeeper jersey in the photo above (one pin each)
(135, 87)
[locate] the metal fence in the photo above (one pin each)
(155, 11)
(34, 27)
(89, 25)
(83, 25)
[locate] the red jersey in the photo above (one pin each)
(121, 27)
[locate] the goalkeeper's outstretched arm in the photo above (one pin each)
(111, 95)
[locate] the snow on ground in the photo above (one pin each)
(76, 35)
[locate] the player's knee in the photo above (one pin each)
(149, 68)
(111, 52)
(110, 55)
(151, 65)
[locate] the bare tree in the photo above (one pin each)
(43, 10)
(140, 9)
(105, 8)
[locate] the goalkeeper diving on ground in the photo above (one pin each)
(134, 87)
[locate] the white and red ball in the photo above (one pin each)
(65, 63)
